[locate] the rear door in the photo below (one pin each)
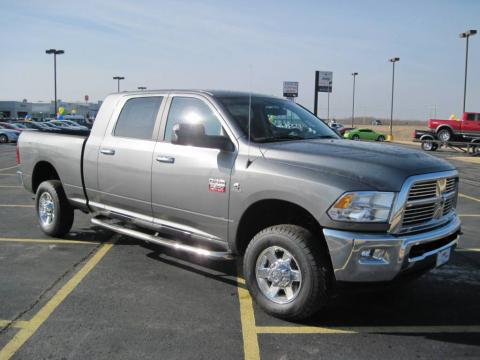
(125, 158)
(191, 184)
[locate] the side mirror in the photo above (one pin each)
(194, 135)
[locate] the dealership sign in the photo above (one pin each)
(290, 88)
(325, 81)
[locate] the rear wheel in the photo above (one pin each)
(3, 139)
(381, 138)
(286, 272)
(55, 214)
(444, 135)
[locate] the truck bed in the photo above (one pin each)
(62, 149)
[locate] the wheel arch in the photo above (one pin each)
(444, 126)
(268, 212)
(43, 171)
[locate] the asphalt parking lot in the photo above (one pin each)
(96, 295)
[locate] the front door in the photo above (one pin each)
(190, 185)
(125, 158)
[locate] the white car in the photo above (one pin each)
(7, 135)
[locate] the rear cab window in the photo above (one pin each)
(138, 117)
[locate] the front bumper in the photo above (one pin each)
(370, 257)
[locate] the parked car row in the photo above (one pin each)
(356, 133)
(9, 131)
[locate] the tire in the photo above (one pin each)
(444, 135)
(381, 138)
(3, 139)
(427, 146)
(310, 293)
(355, 137)
(54, 212)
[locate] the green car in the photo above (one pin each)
(364, 134)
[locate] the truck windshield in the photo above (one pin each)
(275, 119)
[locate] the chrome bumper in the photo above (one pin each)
(363, 257)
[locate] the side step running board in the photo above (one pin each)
(162, 241)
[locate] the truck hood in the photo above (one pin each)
(368, 165)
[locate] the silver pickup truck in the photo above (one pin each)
(220, 174)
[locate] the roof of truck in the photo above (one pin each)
(221, 93)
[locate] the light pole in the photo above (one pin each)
(142, 88)
(393, 61)
(118, 78)
(328, 100)
(466, 35)
(353, 98)
(55, 52)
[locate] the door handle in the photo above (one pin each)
(107, 151)
(165, 159)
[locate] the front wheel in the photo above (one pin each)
(3, 139)
(355, 137)
(55, 214)
(444, 135)
(286, 272)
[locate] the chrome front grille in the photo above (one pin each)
(428, 203)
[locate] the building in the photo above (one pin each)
(40, 110)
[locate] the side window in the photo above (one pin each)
(470, 116)
(195, 111)
(137, 118)
(478, 117)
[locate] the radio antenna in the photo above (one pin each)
(249, 162)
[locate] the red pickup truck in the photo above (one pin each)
(447, 130)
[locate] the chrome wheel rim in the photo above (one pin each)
(278, 275)
(444, 135)
(428, 146)
(3, 139)
(46, 209)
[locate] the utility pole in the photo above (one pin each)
(353, 97)
(55, 52)
(393, 61)
(315, 104)
(466, 35)
(118, 78)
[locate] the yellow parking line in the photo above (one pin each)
(13, 205)
(24, 334)
(469, 215)
(20, 324)
(250, 339)
(8, 168)
(473, 160)
(48, 241)
(468, 249)
(468, 197)
(431, 329)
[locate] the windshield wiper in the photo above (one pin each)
(283, 137)
(323, 137)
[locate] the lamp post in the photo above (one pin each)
(328, 100)
(142, 88)
(466, 35)
(353, 97)
(118, 78)
(55, 52)
(393, 61)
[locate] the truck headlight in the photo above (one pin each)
(362, 206)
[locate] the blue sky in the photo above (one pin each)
(213, 44)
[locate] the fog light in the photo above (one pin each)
(374, 256)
